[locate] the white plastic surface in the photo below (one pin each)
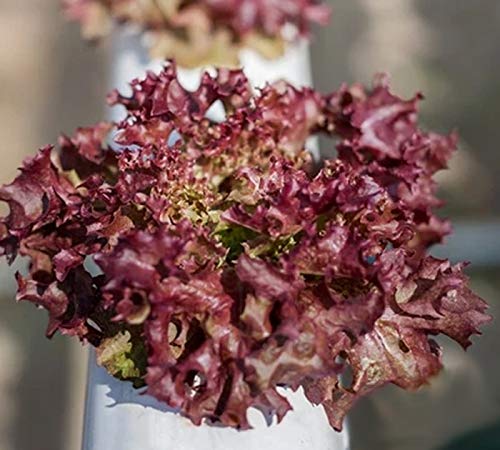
(294, 66)
(119, 418)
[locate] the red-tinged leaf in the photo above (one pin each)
(34, 200)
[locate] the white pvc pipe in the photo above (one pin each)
(119, 418)
(130, 62)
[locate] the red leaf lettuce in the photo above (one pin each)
(199, 32)
(228, 267)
